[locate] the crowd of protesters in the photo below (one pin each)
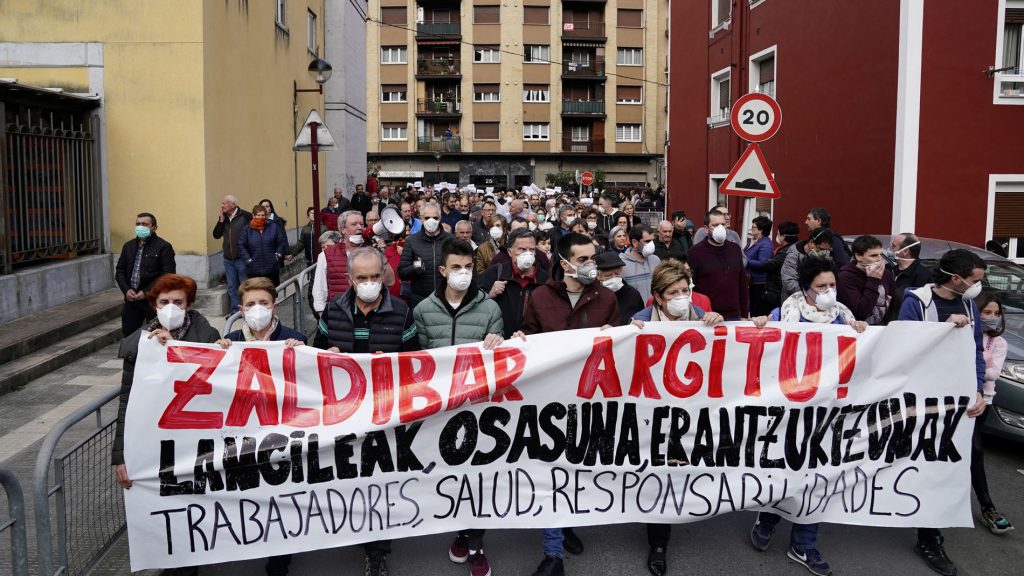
(471, 266)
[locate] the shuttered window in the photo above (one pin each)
(486, 93)
(394, 15)
(485, 130)
(486, 14)
(631, 18)
(536, 14)
(1009, 215)
(628, 94)
(766, 70)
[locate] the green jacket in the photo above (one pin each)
(438, 325)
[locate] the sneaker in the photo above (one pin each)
(996, 522)
(811, 559)
(761, 535)
(478, 564)
(935, 555)
(376, 565)
(550, 566)
(572, 542)
(459, 552)
(657, 564)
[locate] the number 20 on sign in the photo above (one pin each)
(756, 117)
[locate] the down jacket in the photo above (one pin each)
(438, 325)
(424, 279)
(261, 250)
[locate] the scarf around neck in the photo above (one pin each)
(796, 309)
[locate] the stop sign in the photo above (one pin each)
(587, 178)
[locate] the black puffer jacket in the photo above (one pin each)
(515, 297)
(392, 328)
(426, 278)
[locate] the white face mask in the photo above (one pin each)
(825, 300)
(171, 317)
(496, 233)
(614, 283)
(368, 291)
(533, 226)
(431, 224)
(896, 253)
(525, 260)
(679, 306)
(648, 249)
(592, 224)
(355, 239)
(258, 317)
(459, 280)
(718, 234)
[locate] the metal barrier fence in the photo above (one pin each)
(88, 504)
(650, 218)
(294, 304)
(15, 523)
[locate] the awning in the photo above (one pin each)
(12, 91)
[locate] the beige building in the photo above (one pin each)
(502, 93)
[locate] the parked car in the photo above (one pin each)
(1006, 279)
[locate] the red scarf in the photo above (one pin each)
(258, 223)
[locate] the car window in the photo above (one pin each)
(1005, 279)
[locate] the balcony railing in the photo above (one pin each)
(590, 68)
(591, 145)
(438, 67)
(1011, 83)
(583, 29)
(439, 107)
(439, 144)
(582, 106)
(430, 30)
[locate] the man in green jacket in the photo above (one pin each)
(460, 313)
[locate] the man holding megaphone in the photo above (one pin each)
(331, 278)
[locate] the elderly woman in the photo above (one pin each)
(670, 285)
(262, 244)
(618, 240)
(172, 296)
(498, 228)
(815, 302)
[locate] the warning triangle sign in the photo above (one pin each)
(750, 176)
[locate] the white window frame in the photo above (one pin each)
(630, 102)
(637, 52)
(311, 31)
(487, 96)
(993, 182)
(714, 182)
(636, 135)
(754, 77)
(749, 205)
(998, 79)
(573, 137)
(281, 15)
(716, 115)
(546, 92)
(402, 50)
(529, 58)
(755, 3)
(493, 51)
(543, 131)
(403, 133)
(404, 99)
(724, 24)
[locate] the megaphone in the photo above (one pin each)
(390, 224)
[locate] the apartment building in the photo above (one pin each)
(501, 94)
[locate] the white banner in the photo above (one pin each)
(260, 450)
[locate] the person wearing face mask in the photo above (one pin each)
(511, 282)
(497, 230)
(730, 234)
(609, 273)
(956, 282)
(504, 255)
(640, 260)
(577, 301)
(785, 239)
(866, 286)
(818, 244)
(908, 270)
(670, 284)
(330, 279)
(758, 252)
(816, 302)
(261, 246)
(718, 269)
(143, 259)
(421, 256)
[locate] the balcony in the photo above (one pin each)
(439, 144)
(438, 67)
(446, 107)
(591, 145)
(591, 69)
(438, 31)
(583, 108)
(583, 30)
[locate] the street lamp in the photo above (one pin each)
(320, 71)
(437, 158)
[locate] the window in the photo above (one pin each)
(720, 97)
(486, 130)
(311, 31)
(1005, 211)
(441, 16)
(762, 72)
(537, 54)
(631, 18)
(486, 14)
(486, 93)
(394, 55)
(393, 93)
(536, 131)
(1010, 81)
(486, 54)
(536, 15)
(536, 93)
(630, 57)
(721, 10)
(580, 133)
(580, 57)
(397, 15)
(394, 131)
(628, 94)
(281, 16)
(627, 132)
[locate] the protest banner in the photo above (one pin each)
(260, 450)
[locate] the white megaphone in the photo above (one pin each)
(391, 223)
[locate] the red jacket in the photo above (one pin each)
(550, 309)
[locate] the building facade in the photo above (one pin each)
(196, 102)
(345, 94)
(500, 94)
(897, 115)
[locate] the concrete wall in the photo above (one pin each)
(345, 94)
(43, 287)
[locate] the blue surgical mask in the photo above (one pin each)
(142, 232)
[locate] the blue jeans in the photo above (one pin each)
(801, 537)
(235, 272)
(553, 538)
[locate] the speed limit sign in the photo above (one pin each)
(756, 117)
